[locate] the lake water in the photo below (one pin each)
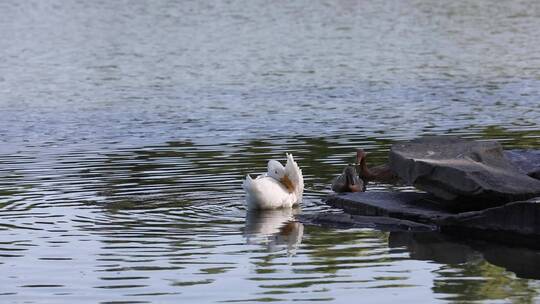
(127, 127)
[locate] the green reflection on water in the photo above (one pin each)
(480, 280)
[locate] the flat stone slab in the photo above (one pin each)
(474, 174)
(516, 223)
(347, 221)
(413, 206)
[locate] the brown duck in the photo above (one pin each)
(351, 180)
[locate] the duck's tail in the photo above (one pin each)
(247, 184)
(294, 173)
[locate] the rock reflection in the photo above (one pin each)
(445, 249)
(432, 246)
(276, 229)
(474, 270)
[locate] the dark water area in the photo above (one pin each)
(127, 127)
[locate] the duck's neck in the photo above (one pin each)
(364, 170)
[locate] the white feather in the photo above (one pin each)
(294, 173)
(268, 191)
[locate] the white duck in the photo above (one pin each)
(280, 187)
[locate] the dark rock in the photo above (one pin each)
(346, 221)
(527, 161)
(475, 175)
(413, 206)
(516, 223)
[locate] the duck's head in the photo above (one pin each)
(277, 172)
(275, 169)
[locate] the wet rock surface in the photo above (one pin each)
(413, 206)
(475, 175)
(516, 223)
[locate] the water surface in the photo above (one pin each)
(127, 127)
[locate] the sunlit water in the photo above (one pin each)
(127, 127)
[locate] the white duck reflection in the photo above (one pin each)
(276, 229)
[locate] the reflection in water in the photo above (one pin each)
(449, 250)
(494, 266)
(274, 228)
(432, 246)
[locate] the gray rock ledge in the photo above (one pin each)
(516, 223)
(474, 174)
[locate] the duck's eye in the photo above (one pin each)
(275, 172)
